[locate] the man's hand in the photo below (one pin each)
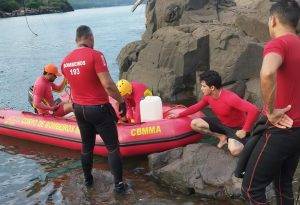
(173, 116)
(241, 134)
(54, 107)
(279, 119)
(122, 109)
(124, 119)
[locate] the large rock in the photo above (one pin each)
(253, 27)
(162, 13)
(129, 55)
(178, 36)
(253, 18)
(234, 55)
(169, 62)
(202, 169)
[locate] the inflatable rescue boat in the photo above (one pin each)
(138, 139)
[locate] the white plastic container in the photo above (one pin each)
(151, 109)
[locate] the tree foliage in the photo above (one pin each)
(12, 5)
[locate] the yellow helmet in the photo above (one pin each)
(124, 87)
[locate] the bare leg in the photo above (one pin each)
(200, 125)
(235, 147)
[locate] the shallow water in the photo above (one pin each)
(33, 173)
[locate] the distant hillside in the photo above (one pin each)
(80, 4)
(13, 5)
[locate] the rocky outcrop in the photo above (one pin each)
(186, 37)
(168, 63)
(234, 55)
(200, 169)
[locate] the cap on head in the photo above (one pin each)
(124, 87)
(52, 69)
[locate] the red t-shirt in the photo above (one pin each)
(80, 68)
(288, 75)
(229, 108)
(133, 101)
(42, 91)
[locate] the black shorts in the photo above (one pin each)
(216, 126)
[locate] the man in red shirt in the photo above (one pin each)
(235, 116)
(91, 84)
(133, 93)
(276, 155)
(43, 100)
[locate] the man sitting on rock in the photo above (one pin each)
(234, 116)
(43, 100)
(133, 93)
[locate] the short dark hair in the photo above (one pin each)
(83, 31)
(287, 11)
(211, 78)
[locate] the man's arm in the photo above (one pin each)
(59, 88)
(109, 86)
(277, 117)
(39, 104)
(271, 63)
(194, 108)
(250, 109)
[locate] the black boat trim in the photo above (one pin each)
(61, 137)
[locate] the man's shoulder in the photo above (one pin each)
(39, 80)
(229, 95)
(275, 41)
(136, 83)
(283, 40)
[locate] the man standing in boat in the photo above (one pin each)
(133, 93)
(91, 84)
(276, 154)
(234, 116)
(43, 100)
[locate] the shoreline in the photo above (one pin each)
(33, 12)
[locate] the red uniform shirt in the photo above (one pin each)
(42, 91)
(80, 68)
(288, 75)
(133, 102)
(229, 108)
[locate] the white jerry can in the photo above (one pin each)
(151, 109)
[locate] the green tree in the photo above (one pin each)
(9, 5)
(34, 4)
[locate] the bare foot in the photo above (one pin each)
(222, 142)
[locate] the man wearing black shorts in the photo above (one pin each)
(235, 116)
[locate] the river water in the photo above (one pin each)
(32, 173)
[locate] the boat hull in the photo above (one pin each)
(138, 139)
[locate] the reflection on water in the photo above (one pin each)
(33, 173)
